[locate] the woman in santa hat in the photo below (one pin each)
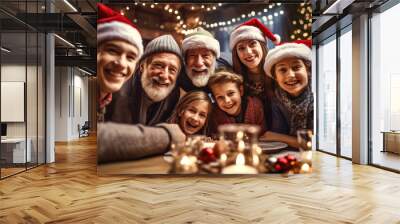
(248, 43)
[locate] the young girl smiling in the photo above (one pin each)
(192, 112)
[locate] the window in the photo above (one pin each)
(346, 93)
(385, 85)
(327, 96)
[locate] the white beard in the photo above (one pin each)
(200, 80)
(153, 91)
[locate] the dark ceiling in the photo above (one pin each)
(76, 24)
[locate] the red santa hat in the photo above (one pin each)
(252, 30)
(111, 26)
(296, 49)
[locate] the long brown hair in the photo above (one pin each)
(240, 68)
(185, 101)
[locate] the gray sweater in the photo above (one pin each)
(120, 142)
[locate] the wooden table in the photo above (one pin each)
(391, 141)
(152, 165)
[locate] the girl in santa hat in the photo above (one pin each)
(249, 48)
(289, 65)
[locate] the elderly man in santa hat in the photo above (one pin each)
(200, 51)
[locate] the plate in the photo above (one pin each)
(272, 146)
(168, 157)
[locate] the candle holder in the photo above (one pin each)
(185, 160)
(242, 155)
(304, 138)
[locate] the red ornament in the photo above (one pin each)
(207, 155)
(282, 160)
(290, 157)
(278, 167)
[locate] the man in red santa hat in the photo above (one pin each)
(119, 48)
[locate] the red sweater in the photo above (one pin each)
(253, 114)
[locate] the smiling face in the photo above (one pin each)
(291, 74)
(200, 64)
(250, 53)
(116, 62)
(194, 116)
(159, 74)
(228, 97)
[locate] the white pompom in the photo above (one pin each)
(278, 39)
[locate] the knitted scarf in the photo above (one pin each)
(300, 109)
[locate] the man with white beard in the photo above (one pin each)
(150, 96)
(200, 50)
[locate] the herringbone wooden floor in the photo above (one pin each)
(69, 191)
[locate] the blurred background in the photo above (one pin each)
(290, 20)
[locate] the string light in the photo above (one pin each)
(267, 19)
(302, 26)
(223, 25)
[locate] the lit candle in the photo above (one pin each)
(306, 156)
(223, 159)
(305, 168)
(239, 167)
(187, 164)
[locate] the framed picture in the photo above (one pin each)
(204, 88)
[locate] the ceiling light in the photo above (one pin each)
(70, 5)
(84, 71)
(5, 49)
(64, 40)
(338, 6)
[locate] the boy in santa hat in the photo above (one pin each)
(289, 64)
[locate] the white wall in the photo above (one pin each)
(33, 127)
(71, 94)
